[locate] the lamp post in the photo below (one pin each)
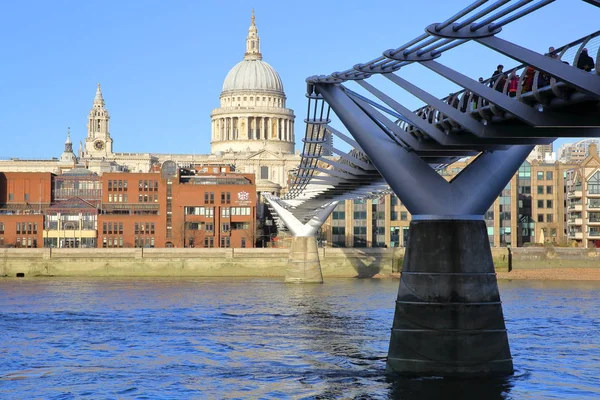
(184, 228)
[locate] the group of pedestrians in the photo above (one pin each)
(499, 81)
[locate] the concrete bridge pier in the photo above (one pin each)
(303, 265)
(448, 318)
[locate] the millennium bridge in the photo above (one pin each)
(448, 315)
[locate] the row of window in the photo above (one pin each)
(209, 198)
(112, 227)
(26, 242)
(147, 198)
(114, 241)
(209, 227)
(144, 241)
(120, 198)
(25, 227)
(540, 203)
(117, 185)
(144, 228)
(540, 175)
(549, 218)
(147, 186)
(225, 211)
(140, 228)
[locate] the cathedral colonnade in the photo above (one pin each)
(253, 128)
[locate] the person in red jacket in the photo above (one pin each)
(513, 84)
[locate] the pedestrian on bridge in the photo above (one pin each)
(585, 62)
(498, 80)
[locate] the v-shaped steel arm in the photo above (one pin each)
(422, 190)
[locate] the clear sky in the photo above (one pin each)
(162, 63)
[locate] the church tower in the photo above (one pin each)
(68, 157)
(98, 142)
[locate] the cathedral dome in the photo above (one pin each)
(253, 116)
(253, 75)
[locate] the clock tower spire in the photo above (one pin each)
(98, 142)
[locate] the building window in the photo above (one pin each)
(225, 227)
(403, 215)
(540, 218)
(225, 198)
(339, 215)
(26, 196)
(209, 242)
(540, 175)
(360, 215)
(338, 230)
(548, 175)
(594, 184)
(549, 218)
(264, 172)
(243, 243)
(549, 189)
(540, 190)
(225, 242)
(540, 203)
(11, 197)
(1, 227)
(548, 203)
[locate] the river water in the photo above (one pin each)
(262, 339)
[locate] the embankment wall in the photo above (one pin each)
(263, 262)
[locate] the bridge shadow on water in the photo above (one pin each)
(444, 388)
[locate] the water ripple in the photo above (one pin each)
(262, 339)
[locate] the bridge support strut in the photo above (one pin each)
(303, 265)
(448, 318)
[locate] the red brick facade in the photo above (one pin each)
(200, 206)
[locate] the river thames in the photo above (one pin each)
(262, 339)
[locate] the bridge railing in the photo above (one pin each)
(533, 87)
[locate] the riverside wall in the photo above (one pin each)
(231, 262)
(262, 262)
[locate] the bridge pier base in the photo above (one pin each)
(448, 319)
(304, 265)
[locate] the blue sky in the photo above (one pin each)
(162, 64)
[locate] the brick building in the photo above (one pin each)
(197, 206)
